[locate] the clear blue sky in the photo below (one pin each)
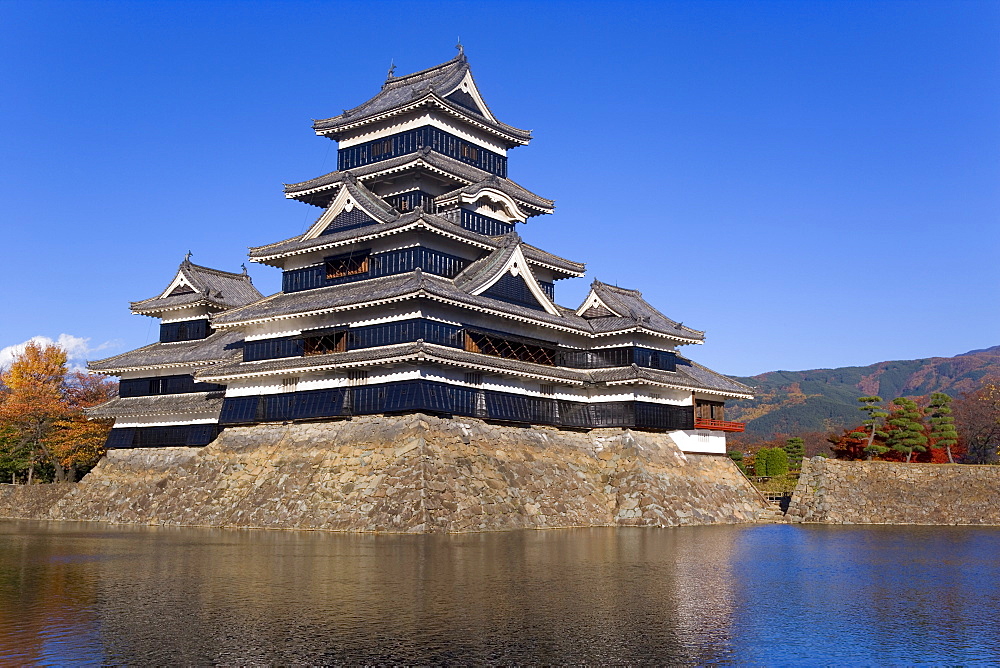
(816, 184)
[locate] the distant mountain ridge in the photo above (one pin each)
(790, 402)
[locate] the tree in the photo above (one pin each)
(795, 449)
(907, 435)
(876, 415)
(943, 433)
(761, 462)
(777, 462)
(33, 400)
(42, 423)
(977, 417)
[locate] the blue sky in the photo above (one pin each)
(815, 184)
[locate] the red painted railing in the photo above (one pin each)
(718, 425)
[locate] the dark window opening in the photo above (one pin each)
(324, 345)
(189, 330)
(476, 342)
(347, 265)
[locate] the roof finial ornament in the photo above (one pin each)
(187, 258)
(243, 265)
(392, 69)
(461, 49)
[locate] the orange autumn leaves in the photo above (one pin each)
(43, 429)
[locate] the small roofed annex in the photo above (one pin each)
(412, 292)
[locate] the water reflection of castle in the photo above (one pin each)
(412, 291)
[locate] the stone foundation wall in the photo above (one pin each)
(840, 492)
(413, 473)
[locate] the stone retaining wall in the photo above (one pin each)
(840, 492)
(413, 473)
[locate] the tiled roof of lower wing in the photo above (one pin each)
(321, 190)
(212, 287)
(438, 223)
(688, 375)
(634, 311)
(215, 348)
(163, 404)
(400, 287)
(418, 351)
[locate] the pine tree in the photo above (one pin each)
(795, 448)
(908, 428)
(943, 433)
(876, 415)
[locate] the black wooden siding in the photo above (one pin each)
(482, 224)
(348, 220)
(159, 437)
(380, 264)
(409, 201)
(189, 330)
(513, 290)
(412, 141)
(432, 331)
(423, 395)
(180, 384)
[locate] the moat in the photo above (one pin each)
(89, 593)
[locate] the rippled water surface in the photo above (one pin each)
(764, 595)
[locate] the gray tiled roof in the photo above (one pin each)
(688, 374)
(481, 271)
(505, 186)
(441, 223)
(630, 309)
(414, 285)
(212, 287)
(436, 82)
(164, 404)
(418, 351)
(216, 347)
(321, 190)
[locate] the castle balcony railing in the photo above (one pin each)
(718, 425)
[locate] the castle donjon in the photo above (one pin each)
(413, 296)
(412, 291)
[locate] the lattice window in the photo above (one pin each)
(290, 384)
(547, 390)
(326, 344)
(358, 377)
(347, 265)
(473, 378)
(476, 342)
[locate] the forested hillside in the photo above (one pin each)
(791, 402)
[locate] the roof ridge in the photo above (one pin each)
(459, 58)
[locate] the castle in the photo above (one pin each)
(412, 292)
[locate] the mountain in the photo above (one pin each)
(791, 402)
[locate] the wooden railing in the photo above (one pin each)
(718, 425)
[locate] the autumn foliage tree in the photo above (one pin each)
(977, 418)
(42, 423)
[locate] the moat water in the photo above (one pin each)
(760, 595)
